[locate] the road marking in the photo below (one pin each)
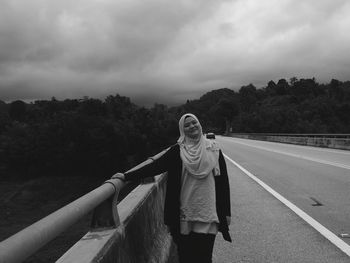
(298, 156)
(316, 225)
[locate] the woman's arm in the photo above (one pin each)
(156, 167)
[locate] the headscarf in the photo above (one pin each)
(200, 156)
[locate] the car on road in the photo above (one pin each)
(210, 135)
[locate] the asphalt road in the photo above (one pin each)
(316, 180)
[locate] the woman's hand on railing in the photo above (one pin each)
(119, 176)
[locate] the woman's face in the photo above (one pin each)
(191, 127)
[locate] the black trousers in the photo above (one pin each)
(195, 247)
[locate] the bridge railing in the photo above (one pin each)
(26, 242)
(311, 135)
(337, 141)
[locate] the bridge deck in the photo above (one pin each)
(265, 230)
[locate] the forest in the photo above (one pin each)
(99, 137)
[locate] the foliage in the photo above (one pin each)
(96, 138)
(86, 137)
(297, 106)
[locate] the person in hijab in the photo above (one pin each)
(197, 202)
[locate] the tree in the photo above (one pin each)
(17, 110)
(227, 109)
(282, 87)
(248, 97)
(119, 107)
(4, 116)
(271, 88)
(293, 80)
(93, 107)
(304, 88)
(335, 90)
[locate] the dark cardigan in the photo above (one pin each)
(171, 162)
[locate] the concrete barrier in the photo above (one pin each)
(141, 237)
(332, 141)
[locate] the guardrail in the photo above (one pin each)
(313, 135)
(26, 242)
(336, 141)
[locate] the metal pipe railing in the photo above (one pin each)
(26, 242)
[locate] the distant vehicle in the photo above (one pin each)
(210, 135)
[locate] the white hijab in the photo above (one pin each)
(200, 156)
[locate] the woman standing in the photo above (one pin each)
(197, 202)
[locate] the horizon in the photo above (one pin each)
(166, 51)
(149, 105)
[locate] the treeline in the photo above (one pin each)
(294, 106)
(86, 137)
(97, 138)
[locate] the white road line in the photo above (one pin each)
(320, 228)
(297, 156)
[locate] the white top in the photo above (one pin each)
(198, 204)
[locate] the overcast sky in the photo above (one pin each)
(166, 51)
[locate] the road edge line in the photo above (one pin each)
(334, 239)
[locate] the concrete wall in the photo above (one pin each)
(336, 143)
(142, 237)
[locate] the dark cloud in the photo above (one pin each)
(166, 51)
